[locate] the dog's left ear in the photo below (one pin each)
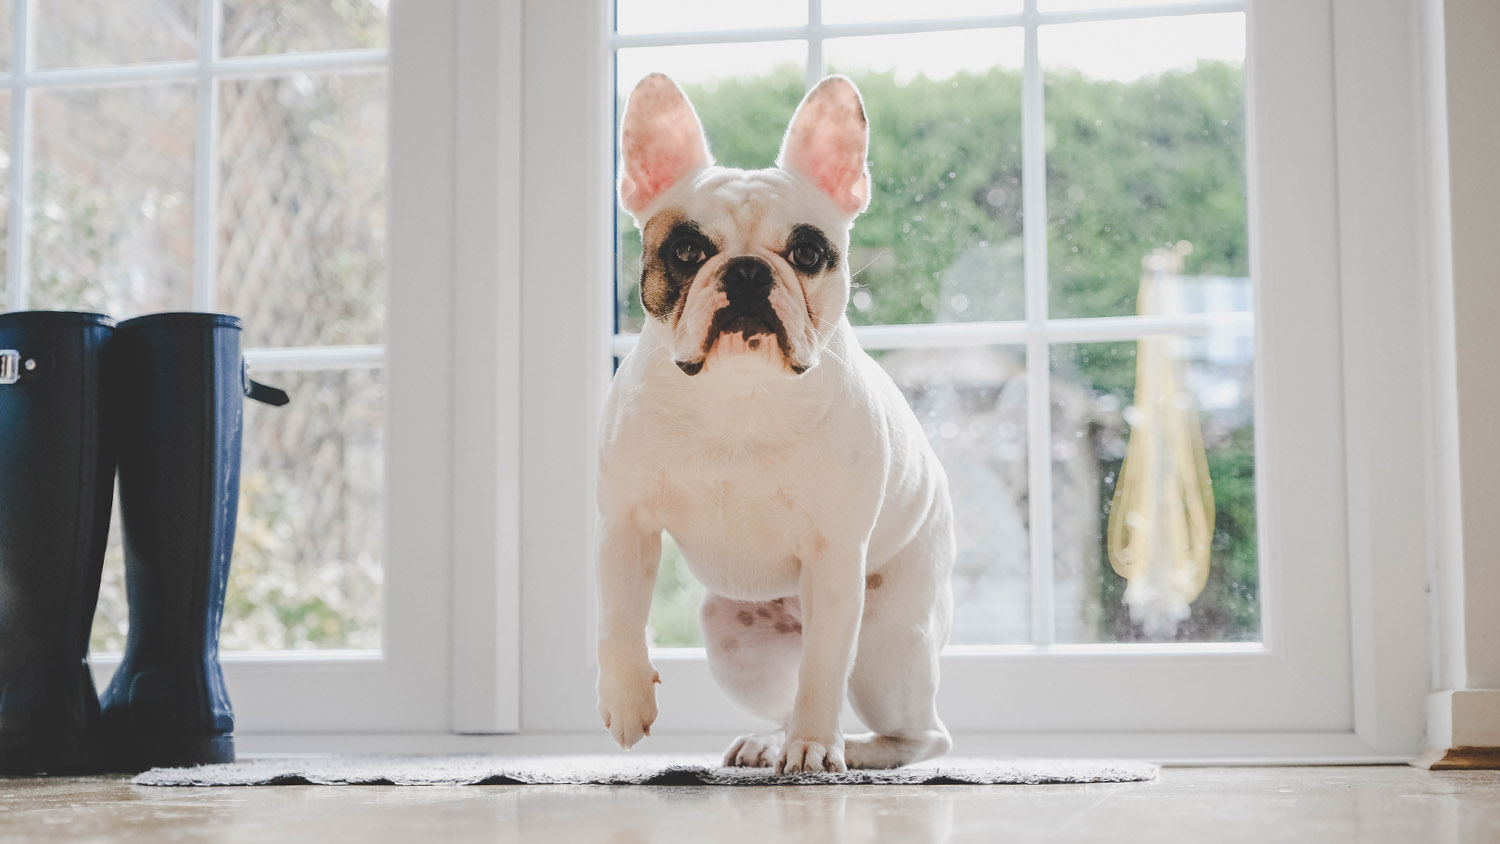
(826, 143)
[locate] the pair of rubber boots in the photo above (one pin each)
(160, 397)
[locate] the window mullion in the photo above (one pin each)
(17, 280)
(1038, 367)
(206, 181)
(815, 64)
(319, 358)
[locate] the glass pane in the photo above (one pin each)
(112, 618)
(1145, 148)
(1199, 405)
(744, 94)
(307, 569)
(7, 9)
(85, 33)
(634, 16)
(253, 27)
(110, 204)
(850, 11)
(971, 401)
(302, 213)
(941, 241)
(972, 405)
(4, 190)
(1073, 5)
(674, 604)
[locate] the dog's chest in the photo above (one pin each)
(745, 529)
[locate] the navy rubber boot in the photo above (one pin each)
(182, 385)
(57, 468)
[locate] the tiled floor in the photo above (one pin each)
(1217, 805)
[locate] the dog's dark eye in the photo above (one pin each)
(689, 251)
(806, 256)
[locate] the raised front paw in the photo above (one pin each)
(799, 755)
(627, 701)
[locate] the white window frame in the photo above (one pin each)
(405, 684)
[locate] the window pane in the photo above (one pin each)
(1072, 5)
(110, 205)
(744, 94)
(1098, 405)
(941, 241)
(85, 33)
(7, 10)
(850, 11)
(302, 214)
(1146, 148)
(112, 617)
(307, 569)
(634, 16)
(674, 604)
(4, 189)
(971, 402)
(253, 27)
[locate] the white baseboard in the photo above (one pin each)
(1463, 718)
(1196, 749)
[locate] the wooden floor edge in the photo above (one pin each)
(1459, 759)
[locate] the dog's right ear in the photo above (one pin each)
(661, 141)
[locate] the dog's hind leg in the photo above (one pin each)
(754, 649)
(893, 686)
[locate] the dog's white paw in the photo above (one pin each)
(799, 755)
(758, 750)
(627, 701)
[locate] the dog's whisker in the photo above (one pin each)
(878, 255)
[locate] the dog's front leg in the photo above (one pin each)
(832, 596)
(628, 558)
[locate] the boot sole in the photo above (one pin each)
(168, 750)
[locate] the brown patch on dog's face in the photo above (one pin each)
(875, 581)
(673, 249)
(746, 617)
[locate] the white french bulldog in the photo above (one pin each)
(749, 424)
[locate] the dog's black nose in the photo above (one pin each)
(746, 276)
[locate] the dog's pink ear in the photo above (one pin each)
(661, 141)
(826, 143)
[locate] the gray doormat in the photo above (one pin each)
(631, 770)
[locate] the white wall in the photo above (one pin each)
(1462, 39)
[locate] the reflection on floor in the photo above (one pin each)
(1325, 805)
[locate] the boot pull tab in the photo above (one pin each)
(263, 393)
